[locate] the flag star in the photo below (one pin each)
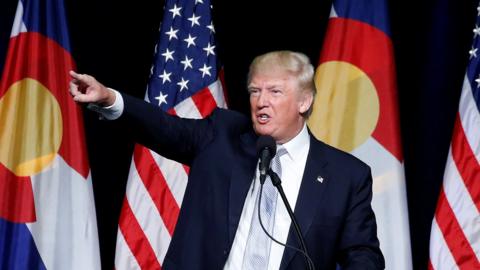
(210, 26)
(476, 31)
(187, 63)
(172, 33)
(183, 84)
(478, 81)
(478, 9)
(165, 76)
(175, 11)
(205, 70)
(168, 55)
(162, 99)
(209, 49)
(194, 20)
(198, 1)
(190, 41)
(473, 52)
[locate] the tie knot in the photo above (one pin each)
(281, 151)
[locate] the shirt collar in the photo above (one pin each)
(295, 146)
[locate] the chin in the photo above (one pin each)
(262, 130)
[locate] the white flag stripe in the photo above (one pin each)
(174, 174)
(440, 255)
(187, 109)
(65, 231)
(388, 202)
(124, 256)
(470, 117)
(18, 24)
(377, 157)
(462, 204)
(147, 215)
(216, 90)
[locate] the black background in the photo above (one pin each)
(114, 41)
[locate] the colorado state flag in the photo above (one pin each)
(47, 214)
(356, 110)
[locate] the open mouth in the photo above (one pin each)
(263, 118)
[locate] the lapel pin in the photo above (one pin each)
(320, 179)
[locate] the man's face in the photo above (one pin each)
(276, 105)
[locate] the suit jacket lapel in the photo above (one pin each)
(314, 182)
(242, 175)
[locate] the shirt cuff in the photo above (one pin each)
(111, 112)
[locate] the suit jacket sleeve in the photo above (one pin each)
(359, 246)
(171, 136)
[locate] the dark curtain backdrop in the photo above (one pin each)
(114, 41)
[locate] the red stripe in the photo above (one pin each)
(204, 101)
(466, 162)
(136, 239)
(456, 241)
(157, 187)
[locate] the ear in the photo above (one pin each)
(305, 102)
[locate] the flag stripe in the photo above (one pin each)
(157, 187)
(442, 257)
(188, 109)
(124, 255)
(466, 162)
(204, 102)
(216, 89)
(147, 215)
(454, 235)
(460, 201)
(175, 174)
(136, 239)
(470, 119)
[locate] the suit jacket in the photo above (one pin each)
(335, 216)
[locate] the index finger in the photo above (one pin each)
(82, 78)
(75, 75)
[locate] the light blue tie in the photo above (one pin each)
(258, 246)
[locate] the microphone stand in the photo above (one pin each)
(277, 182)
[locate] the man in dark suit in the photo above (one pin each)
(218, 226)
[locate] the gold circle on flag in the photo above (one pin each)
(346, 107)
(30, 127)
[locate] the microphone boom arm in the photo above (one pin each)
(277, 182)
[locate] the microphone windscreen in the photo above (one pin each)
(266, 141)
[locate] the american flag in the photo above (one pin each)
(184, 81)
(455, 234)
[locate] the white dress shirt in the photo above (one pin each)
(111, 112)
(293, 166)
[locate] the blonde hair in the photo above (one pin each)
(294, 63)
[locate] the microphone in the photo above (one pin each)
(266, 150)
